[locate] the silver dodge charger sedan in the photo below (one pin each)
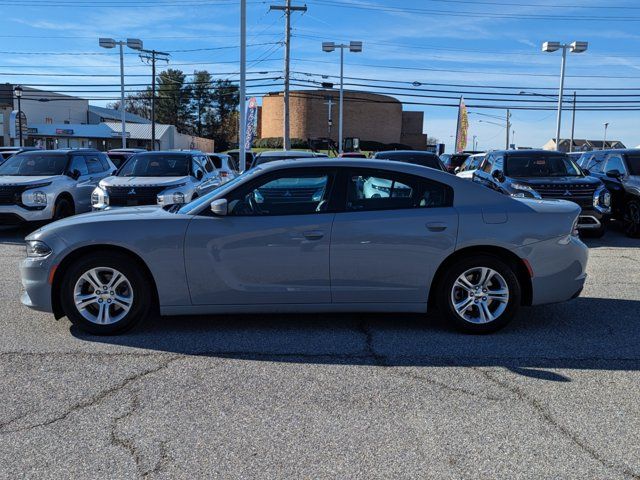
(308, 236)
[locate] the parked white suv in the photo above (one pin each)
(49, 184)
(225, 164)
(157, 178)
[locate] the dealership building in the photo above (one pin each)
(367, 116)
(53, 120)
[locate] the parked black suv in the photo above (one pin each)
(619, 170)
(426, 159)
(549, 175)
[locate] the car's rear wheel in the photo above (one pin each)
(479, 294)
(105, 294)
(631, 218)
(63, 208)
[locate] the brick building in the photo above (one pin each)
(367, 116)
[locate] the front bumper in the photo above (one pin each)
(559, 268)
(591, 219)
(35, 281)
(16, 215)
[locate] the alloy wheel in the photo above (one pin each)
(103, 295)
(632, 219)
(480, 295)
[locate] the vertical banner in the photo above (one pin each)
(252, 123)
(463, 127)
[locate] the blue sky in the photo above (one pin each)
(489, 43)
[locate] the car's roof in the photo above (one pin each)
(287, 153)
(62, 151)
(354, 162)
(538, 151)
(409, 152)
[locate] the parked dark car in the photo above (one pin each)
(119, 155)
(453, 160)
(426, 159)
(619, 170)
(8, 152)
(549, 175)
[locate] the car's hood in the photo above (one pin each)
(22, 180)
(143, 181)
(556, 180)
(88, 219)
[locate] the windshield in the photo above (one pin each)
(633, 164)
(208, 198)
(541, 166)
(34, 165)
(154, 165)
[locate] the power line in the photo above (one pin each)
(467, 14)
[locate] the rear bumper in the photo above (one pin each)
(559, 269)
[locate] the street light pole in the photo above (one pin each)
(604, 143)
(354, 47)
(134, 44)
(573, 123)
(575, 47)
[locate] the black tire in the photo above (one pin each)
(446, 291)
(631, 218)
(63, 208)
(142, 300)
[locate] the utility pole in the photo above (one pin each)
(150, 57)
(329, 103)
(243, 87)
(573, 123)
(287, 9)
(508, 127)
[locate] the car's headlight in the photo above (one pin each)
(602, 198)
(34, 198)
(524, 191)
(381, 188)
(178, 197)
(37, 249)
(99, 197)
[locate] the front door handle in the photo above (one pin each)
(313, 235)
(436, 226)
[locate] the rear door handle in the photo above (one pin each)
(313, 235)
(436, 226)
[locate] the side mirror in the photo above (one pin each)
(498, 175)
(74, 174)
(614, 174)
(456, 170)
(220, 207)
(586, 172)
(199, 175)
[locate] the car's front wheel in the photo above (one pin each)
(105, 294)
(631, 219)
(479, 294)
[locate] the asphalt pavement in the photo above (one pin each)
(554, 395)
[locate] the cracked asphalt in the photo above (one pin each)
(554, 395)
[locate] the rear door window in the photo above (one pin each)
(78, 163)
(384, 190)
(94, 165)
